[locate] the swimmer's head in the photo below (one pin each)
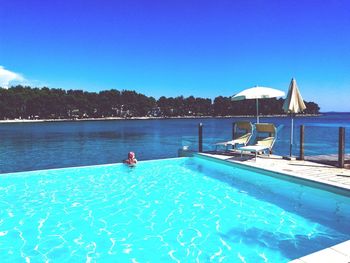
(131, 155)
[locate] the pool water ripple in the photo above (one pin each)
(180, 210)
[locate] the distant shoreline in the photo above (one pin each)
(150, 118)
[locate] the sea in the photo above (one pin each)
(26, 146)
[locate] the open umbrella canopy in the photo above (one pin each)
(294, 103)
(258, 93)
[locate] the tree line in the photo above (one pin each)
(43, 103)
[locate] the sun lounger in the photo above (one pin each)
(266, 137)
(242, 131)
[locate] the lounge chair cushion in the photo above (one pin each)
(253, 148)
(241, 140)
(267, 142)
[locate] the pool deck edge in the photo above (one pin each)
(305, 170)
(339, 253)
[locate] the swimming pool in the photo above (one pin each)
(172, 210)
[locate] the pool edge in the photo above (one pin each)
(87, 166)
(338, 253)
(293, 177)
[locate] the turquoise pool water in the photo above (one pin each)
(173, 210)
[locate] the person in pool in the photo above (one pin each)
(131, 159)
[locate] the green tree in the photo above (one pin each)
(26, 102)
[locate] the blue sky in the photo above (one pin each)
(183, 47)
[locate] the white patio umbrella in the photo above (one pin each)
(258, 93)
(293, 104)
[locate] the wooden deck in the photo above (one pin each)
(329, 159)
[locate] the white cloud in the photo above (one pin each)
(8, 78)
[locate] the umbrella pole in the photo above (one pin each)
(257, 111)
(291, 135)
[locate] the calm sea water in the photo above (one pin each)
(31, 146)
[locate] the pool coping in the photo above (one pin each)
(84, 166)
(339, 253)
(289, 176)
(332, 186)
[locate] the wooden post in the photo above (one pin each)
(233, 130)
(341, 152)
(233, 134)
(200, 137)
(302, 133)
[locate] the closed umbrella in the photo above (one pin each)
(293, 104)
(258, 93)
